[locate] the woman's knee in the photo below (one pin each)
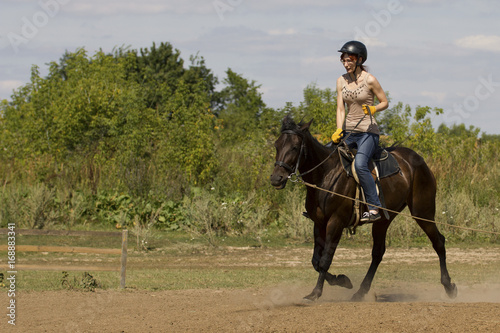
(361, 162)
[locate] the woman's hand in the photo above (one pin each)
(337, 135)
(369, 109)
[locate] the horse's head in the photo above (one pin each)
(289, 151)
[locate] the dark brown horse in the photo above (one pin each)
(415, 187)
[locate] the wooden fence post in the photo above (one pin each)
(124, 258)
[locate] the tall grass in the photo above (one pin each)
(291, 220)
(210, 216)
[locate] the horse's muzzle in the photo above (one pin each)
(278, 180)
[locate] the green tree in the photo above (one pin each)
(189, 134)
(459, 131)
(423, 136)
(158, 71)
(320, 105)
(241, 107)
(200, 77)
(395, 122)
(84, 110)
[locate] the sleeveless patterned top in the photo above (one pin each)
(354, 99)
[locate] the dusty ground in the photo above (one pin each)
(404, 307)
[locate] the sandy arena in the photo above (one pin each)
(408, 307)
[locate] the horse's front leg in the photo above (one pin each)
(318, 290)
(325, 244)
(379, 233)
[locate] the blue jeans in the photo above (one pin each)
(367, 144)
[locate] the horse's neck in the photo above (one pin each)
(318, 154)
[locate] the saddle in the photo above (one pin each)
(383, 165)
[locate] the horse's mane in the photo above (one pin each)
(288, 124)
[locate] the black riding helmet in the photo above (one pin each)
(356, 48)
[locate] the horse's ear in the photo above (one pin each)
(305, 126)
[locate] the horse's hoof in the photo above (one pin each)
(312, 296)
(358, 297)
(339, 280)
(344, 281)
(452, 291)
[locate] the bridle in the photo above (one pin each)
(286, 166)
(293, 170)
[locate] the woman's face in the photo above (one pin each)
(349, 62)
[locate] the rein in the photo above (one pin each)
(293, 171)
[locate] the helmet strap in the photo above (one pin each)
(355, 70)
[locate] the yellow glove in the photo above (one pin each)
(337, 135)
(367, 109)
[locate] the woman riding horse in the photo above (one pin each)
(330, 191)
(357, 89)
(330, 195)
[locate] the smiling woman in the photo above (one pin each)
(356, 92)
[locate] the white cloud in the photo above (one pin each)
(480, 42)
(372, 41)
(427, 1)
(277, 32)
(7, 86)
(243, 41)
(285, 4)
(110, 7)
(320, 62)
(437, 96)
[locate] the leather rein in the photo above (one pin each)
(293, 170)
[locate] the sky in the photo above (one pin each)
(437, 53)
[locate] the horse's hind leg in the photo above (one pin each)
(422, 203)
(438, 243)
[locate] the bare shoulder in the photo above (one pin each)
(371, 80)
(340, 82)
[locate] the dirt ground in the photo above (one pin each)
(407, 307)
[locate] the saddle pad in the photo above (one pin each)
(388, 166)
